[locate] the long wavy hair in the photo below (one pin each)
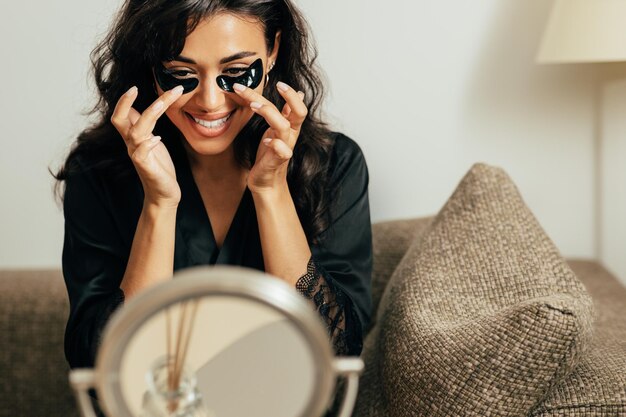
(147, 32)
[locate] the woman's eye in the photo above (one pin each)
(235, 72)
(180, 74)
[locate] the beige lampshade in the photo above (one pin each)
(585, 31)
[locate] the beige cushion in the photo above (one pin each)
(482, 315)
(597, 386)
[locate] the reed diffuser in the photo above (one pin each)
(172, 386)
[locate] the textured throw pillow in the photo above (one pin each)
(481, 317)
(597, 386)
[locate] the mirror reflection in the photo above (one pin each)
(217, 356)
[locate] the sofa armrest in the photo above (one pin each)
(391, 240)
(33, 312)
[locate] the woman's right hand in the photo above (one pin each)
(149, 155)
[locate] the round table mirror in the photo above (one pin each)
(216, 341)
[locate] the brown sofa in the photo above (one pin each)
(34, 309)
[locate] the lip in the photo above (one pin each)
(205, 131)
(211, 117)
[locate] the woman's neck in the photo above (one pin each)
(214, 168)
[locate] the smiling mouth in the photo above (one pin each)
(213, 124)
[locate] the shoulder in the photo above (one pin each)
(93, 188)
(347, 160)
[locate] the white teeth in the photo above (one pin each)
(213, 124)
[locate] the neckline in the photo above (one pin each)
(196, 224)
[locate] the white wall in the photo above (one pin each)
(439, 85)
(43, 90)
(613, 185)
(443, 84)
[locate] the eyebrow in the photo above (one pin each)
(238, 55)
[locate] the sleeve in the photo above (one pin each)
(338, 277)
(93, 264)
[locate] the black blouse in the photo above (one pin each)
(101, 217)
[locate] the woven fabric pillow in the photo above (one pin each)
(481, 317)
(597, 386)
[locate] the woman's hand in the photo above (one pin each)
(278, 141)
(150, 157)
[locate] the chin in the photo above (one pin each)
(202, 146)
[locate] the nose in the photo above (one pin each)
(209, 97)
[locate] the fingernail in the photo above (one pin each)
(301, 94)
(239, 87)
(255, 105)
(132, 90)
(177, 90)
(158, 106)
(155, 138)
(267, 141)
(282, 86)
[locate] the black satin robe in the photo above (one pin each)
(101, 216)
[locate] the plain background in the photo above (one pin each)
(427, 88)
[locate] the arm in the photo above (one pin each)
(151, 258)
(339, 275)
(335, 275)
(285, 248)
(97, 267)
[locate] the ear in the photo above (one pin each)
(272, 57)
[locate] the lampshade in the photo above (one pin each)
(585, 31)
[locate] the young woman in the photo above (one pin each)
(209, 149)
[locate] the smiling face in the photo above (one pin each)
(223, 46)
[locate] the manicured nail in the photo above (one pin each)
(158, 106)
(177, 90)
(132, 90)
(301, 94)
(267, 141)
(282, 86)
(255, 105)
(155, 139)
(239, 87)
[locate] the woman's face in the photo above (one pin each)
(208, 117)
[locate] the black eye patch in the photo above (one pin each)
(251, 78)
(168, 79)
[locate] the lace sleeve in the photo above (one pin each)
(335, 309)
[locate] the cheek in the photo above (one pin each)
(176, 108)
(239, 101)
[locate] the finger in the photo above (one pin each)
(144, 126)
(120, 117)
(278, 122)
(286, 111)
(133, 116)
(295, 99)
(281, 152)
(143, 150)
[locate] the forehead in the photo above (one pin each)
(223, 35)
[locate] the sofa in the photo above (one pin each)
(554, 347)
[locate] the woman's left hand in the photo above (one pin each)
(276, 147)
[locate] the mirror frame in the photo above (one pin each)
(206, 281)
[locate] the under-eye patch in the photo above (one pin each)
(251, 77)
(170, 78)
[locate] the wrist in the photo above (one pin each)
(271, 193)
(156, 208)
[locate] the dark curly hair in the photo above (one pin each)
(147, 32)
